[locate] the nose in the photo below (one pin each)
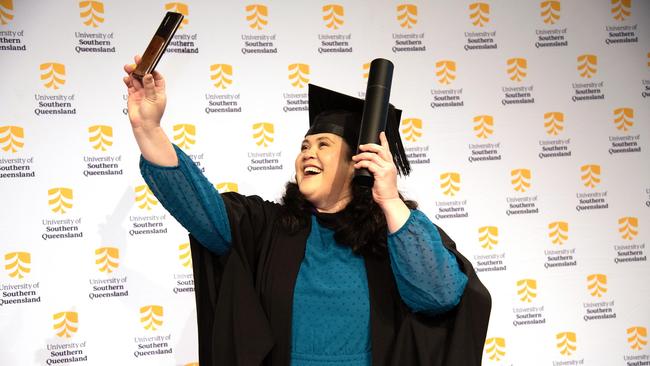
(309, 153)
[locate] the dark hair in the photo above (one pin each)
(361, 225)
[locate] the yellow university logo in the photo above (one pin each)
(488, 237)
(18, 264)
(623, 118)
(224, 187)
(184, 135)
(558, 232)
(479, 14)
(520, 179)
(59, 199)
(527, 289)
(366, 69)
(333, 16)
(411, 129)
(587, 65)
(221, 75)
(185, 255)
(621, 9)
(517, 68)
(566, 343)
(450, 183)
(257, 16)
(92, 13)
(407, 15)
(637, 337)
(628, 227)
(298, 75)
(263, 134)
(180, 8)
(107, 259)
(445, 71)
(66, 323)
(495, 348)
(590, 175)
(554, 123)
(144, 198)
(151, 317)
(11, 138)
(52, 75)
(483, 126)
(6, 7)
(100, 137)
(597, 284)
(550, 11)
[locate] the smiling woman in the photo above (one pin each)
(338, 273)
(324, 170)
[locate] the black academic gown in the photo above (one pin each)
(244, 300)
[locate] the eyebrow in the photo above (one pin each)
(318, 139)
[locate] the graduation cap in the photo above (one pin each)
(340, 114)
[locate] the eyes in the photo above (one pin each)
(321, 144)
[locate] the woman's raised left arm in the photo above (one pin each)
(427, 275)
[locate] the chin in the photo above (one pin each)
(309, 190)
(306, 189)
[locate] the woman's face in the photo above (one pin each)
(324, 171)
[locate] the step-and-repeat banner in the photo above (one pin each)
(526, 123)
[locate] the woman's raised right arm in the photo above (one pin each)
(146, 105)
(171, 175)
(193, 201)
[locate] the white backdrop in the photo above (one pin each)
(527, 124)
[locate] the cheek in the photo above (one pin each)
(297, 163)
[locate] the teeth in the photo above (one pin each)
(312, 170)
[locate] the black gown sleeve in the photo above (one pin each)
(454, 338)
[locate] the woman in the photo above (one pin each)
(335, 275)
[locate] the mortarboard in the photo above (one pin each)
(340, 114)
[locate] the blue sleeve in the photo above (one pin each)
(428, 277)
(188, 196)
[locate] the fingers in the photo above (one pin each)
(158, 79)
(386, 148)
(128, 83)
(149, 87)
(379, 171)
(371, 148)
(128, 68)
(370, 156)
(382, 150)
(375, 164)
(372, 168)
(384, 141)
(376, 158)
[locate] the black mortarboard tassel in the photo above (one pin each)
(340, 114)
